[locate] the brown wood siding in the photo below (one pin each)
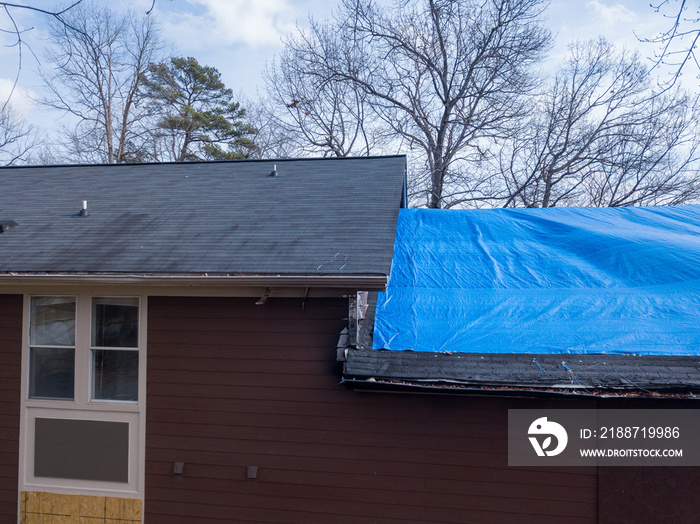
(649, 494)
(232, 385)
(10, 373)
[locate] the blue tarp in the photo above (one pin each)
(562, 280)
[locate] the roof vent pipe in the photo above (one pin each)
(274, 170)
(84, 212)
(6, 225)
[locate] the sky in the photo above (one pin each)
(239, 37)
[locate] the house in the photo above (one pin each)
(172, 340)
(169, 331)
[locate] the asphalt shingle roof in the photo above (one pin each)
(316, 217)
(632, 375)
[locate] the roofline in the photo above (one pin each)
(515, 391)
(194, 162)
(593, 374)
(362, 282)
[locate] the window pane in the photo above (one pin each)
(115, 322)
(52, 321)
(115, 375)
(51, 373)
(83, 450)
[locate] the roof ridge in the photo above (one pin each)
(234, 161)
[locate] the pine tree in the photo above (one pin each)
(196, 117)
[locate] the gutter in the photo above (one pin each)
(514, 391)
(363, 282)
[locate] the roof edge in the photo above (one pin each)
(417, 387)
(575, 374)
(363, 282)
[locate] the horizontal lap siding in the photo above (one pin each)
(628, 495)
(10, 365)
(232, 385)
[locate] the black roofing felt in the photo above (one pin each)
(316, 217)
(575, 374)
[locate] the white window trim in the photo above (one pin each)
(82, 407)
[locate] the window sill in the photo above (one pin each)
(93, 405)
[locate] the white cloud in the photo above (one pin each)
(254, 23)
(20, 99)
(611, 15)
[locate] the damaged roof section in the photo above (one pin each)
(596, 375)
(559, 281)
(547, 301)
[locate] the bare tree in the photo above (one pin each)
(658, 165)
(15, 33)
(321, 115)
(272, 140)
(98, 60)
(676, 47)
(443, 76)
(600, 137)
(17, 139)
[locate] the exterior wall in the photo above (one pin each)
(232, 386)
(653, 494)
(648, 494)
(10, 366)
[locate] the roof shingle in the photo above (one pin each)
(194, 218)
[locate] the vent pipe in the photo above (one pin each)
(6, 225)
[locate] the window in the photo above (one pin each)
(114, 347)
(52, 348)
(83, 417)
(114, 336)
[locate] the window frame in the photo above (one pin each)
(51, 346)
(83, 364)
(94, 348)
(83, 406)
